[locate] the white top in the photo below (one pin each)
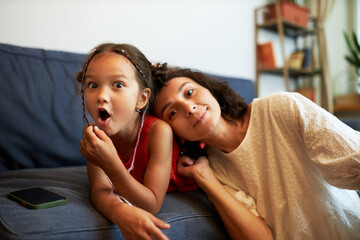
(293, 150)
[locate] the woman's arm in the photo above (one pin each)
(332, 146)
(239, 221)
(134, 223)
(98, 149)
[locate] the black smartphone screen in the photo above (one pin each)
(37, 198)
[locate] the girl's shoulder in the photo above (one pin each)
(160, 135)
(156, 124)
(150, 118)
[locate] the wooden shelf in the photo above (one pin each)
(290, 29)
(292, 72)
(300, 28)
(353, 107)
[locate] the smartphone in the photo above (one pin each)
(37, 198)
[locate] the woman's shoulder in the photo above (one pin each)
(283, 106)
(281, 97)
(282, 101)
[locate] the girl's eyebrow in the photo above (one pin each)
(111, 76)
(169, 103)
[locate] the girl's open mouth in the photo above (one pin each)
(103, 116)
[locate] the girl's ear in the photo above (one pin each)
(144, 97)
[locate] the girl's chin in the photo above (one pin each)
(106, 129)
(102, 123)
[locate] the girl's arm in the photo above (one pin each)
(239, 221)
(133, 222)
(149, 195)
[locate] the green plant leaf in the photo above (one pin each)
(347, 41)
(356, 42)
(352, 61)
(355, 57)
(353, 50)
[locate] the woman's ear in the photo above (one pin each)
(143, 99)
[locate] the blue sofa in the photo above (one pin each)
(41, 127)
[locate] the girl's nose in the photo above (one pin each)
(103, 96)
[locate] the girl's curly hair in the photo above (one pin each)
(133, 54)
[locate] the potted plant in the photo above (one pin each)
(354, 57)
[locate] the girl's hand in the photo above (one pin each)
(136, 223)
(97, 147)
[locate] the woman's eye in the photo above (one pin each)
(118, 85)
(92, 85)
(172, 114)
(189, 92)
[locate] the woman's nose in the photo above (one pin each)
(191, 109)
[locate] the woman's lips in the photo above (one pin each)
(201, 117)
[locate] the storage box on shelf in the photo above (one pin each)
(290, 12)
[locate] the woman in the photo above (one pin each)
(292, 157)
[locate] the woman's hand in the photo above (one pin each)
(199, 170)
(240, 222)
(97, 147)
(136, 223)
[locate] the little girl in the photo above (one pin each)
(128, 151)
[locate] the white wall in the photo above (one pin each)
(211, 35)
(215, 36)
(336, 24)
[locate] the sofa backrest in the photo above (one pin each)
(244, 87)
(40, 111)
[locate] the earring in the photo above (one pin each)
(137, 110)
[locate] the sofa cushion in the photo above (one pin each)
(40, 112)
(190, 214)
(354, 123)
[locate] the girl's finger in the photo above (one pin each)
(101, 134)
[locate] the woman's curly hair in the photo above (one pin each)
(232, 105)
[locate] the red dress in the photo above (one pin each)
(142, 159)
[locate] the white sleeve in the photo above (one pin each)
(332, 145)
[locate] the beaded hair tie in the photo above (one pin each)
(83, 85)
(122, 52)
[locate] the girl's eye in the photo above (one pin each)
(172, 114)
(118, 85)
(92, 85)
(189, 92)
